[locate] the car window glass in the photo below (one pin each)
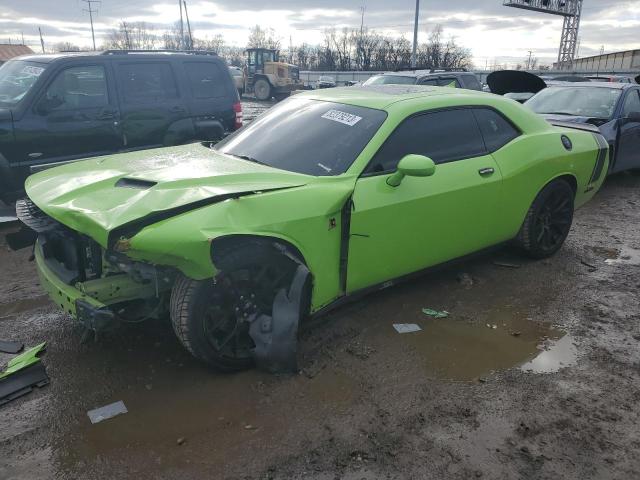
(429, 81)
(443, 136)
(205, 79)
(449, 82)
(77, 88)
(146, 82)
(306, 136)
(391, 80)
(472, 82)
(632, 103)
(16, 79)
(496, 130)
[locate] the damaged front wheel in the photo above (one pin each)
(212, 317)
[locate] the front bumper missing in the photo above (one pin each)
(90, 302)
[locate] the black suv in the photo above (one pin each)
(57, 108)
(435, 78)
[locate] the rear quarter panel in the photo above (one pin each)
(530, 162)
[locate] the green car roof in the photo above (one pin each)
(383, 96)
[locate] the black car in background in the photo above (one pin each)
(63, 107)
(612, 107)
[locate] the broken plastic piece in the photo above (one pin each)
(275, 337)
(406, 327)
(8, 346)
(108, 411)
(22, 382)
(507, 265)
(435, 313)
(23, 360)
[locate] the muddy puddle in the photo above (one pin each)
(625, 256)
(459, 348)
(204, 417)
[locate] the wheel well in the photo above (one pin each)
(261, 76)
(223, 244)
(571, 180)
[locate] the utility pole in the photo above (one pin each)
(181, 41)
(41, 40)
(22, 33)
(360, 50)
(186, 14)
(415, 35)
(91, 12)
(529, 60)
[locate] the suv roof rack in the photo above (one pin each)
(430, 70)
(188, 52)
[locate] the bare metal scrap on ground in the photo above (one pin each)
(465, 395)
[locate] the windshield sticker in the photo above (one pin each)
(342, 117)
(31, 70)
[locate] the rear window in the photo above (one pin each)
(206, 79)
(146, 82)
(391, 80)
(306, 136)
(496, 130)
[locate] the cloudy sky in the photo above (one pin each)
(492, 31)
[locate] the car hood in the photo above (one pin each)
(103, 195)
(514, 81)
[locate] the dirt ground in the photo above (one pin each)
(534, 375)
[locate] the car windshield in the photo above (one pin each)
(326, 79)
(391, 80)
(595, 102)
(306, 136)
(16, 79)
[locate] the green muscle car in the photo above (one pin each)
(328, 195)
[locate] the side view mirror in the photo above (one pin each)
(48, 104)
(412, 166)
(632, 117)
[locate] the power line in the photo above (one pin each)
(91, 11)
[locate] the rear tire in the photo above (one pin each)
(548, 221)
(210, 317)
(262, 89)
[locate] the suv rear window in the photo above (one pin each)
(146, 82)
(206, 79)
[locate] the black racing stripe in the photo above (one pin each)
(600, 160)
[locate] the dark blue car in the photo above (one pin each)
(612, 107)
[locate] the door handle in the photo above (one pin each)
(107, 115)
(485, 172)
(178, 110)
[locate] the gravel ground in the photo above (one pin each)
(534, 374)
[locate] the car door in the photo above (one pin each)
(628, 151)
(150, 102)
(425, 220)
(75, 116)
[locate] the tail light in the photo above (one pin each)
(237, 108)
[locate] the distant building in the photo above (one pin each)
(8, 51)
(609, 62)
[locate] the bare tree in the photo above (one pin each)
(66, 47)
(263, 38)
(132, 36)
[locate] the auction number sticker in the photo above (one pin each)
(342, 117)
(31, 70)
